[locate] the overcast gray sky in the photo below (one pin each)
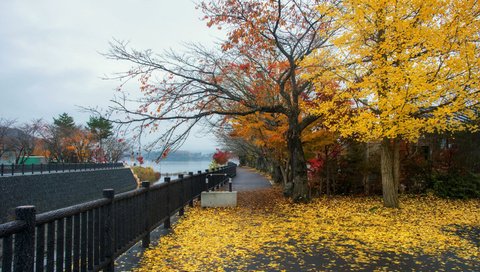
(49, 52)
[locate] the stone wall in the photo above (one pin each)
(58, 190)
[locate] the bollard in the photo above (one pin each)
(25, 240)
(167, 223)
(109, 230)
(229, 184)
(1, 170)
(206, 184)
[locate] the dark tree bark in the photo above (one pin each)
(390, 167)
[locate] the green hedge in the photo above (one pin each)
(456, 185)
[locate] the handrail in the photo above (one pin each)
(90, 235)
(11, 227)
(23, 169)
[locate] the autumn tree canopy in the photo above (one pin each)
(405, 67)
(255, 70)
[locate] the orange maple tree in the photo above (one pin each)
(255, 71)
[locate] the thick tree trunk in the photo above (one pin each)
(284, 172)
(297, 162)
(396, 163)
(327, 172)
(366, 172)
(390, 167)
(277, 175)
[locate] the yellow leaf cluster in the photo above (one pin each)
(405, 67)
(266, 230)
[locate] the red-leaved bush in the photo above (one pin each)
(221, 157)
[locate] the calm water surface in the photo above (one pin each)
(167, 168)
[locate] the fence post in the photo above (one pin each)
(25, 240)
(190, 203)
(146, 238)
(200, 186)
(181, 212)
(229, 184)
(109, 230)
(206, 183)
(166, 223)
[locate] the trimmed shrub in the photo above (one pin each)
(456, 185)
(146, 173)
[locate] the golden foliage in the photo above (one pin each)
(266, 228)
(146, 173)
(406, 67)
(265, 131)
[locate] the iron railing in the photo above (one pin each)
(91, 235)
(16, 169)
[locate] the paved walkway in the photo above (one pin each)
(251, 186)
(249, 179)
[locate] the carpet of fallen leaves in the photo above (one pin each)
(267, 232)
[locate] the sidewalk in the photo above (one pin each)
(267, 232)
(249, 179)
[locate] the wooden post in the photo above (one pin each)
(190, 203)
(109, 230)
(181, 212)
(166, 223)
(146, 238)
(206, 184)
(200, 186)
(25, 240)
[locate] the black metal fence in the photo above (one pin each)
(90, 236)
(12, 169)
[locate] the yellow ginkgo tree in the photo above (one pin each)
(404, 67)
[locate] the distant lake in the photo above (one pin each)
(167, 168)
